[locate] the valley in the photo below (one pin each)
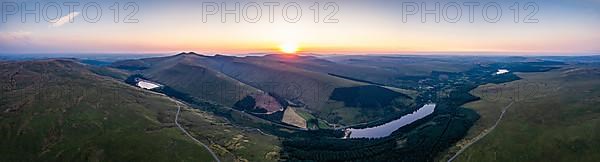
(276, 108)
(309, 127)
(300, 81)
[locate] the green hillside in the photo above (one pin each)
(554, 117)
(58, 110)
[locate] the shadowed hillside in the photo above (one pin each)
(366, 96)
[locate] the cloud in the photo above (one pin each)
(15, 40)
(15, 36)
(63, 20)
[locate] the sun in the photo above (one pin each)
(289, 48)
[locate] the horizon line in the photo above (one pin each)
(414, 53)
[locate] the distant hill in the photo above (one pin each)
(395, 70)
(576, 59)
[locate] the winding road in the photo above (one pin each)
(483, 134)
(190, 135)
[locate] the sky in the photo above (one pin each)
(527, 27)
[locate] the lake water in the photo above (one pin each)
(147, 85)
(387, 128)
(502, 71)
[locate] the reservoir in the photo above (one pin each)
(387, 128)
(502, 71)
(147, 85)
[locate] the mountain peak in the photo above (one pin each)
(188, 53)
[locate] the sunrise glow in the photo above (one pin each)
(289, 48)
(361, 27)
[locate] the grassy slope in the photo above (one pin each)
(230, 142)
(554, 118)
(291, 117)
(58, 111)
(201, 82)
(189, 73)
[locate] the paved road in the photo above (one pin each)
(480, 136)
(190, 135)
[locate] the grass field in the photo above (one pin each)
(311, 121)
(291, 117)
(555, 117)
